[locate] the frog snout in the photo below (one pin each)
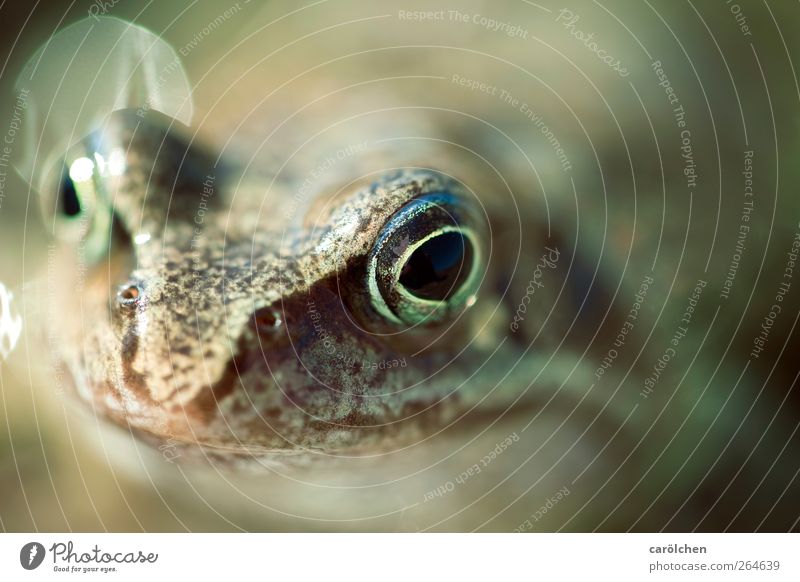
(188, 326)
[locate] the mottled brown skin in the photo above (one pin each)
(198, 357)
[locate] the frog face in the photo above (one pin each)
(231, 317)
(356, 295)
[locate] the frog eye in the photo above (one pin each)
(425, 265)
(80, 209)
(71, 205)
(76, 190)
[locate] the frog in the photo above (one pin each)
(399, 305)
(254, 337)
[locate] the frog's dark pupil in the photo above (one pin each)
(437, 269)
(70, 202)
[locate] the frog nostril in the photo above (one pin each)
(269, 324)
(267, 320)
(128, 295)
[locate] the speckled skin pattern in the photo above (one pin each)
(254, 336)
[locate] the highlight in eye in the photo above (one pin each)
(425, 266)
(82, 211)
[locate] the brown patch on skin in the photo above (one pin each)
(205, 406)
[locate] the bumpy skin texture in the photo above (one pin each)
(253, 336)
